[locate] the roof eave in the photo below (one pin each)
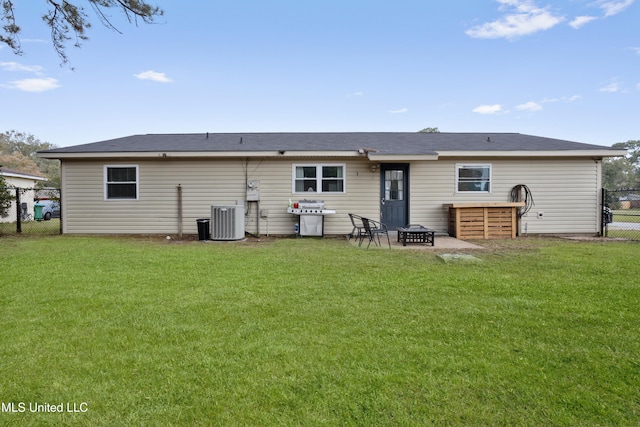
(401, 157)
(22, 176)
(191, 154)
(371, 155)
(533, 153)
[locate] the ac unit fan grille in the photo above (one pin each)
(227, 222)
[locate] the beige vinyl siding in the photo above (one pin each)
(205, 183)
(565, 190)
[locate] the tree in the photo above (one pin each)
(19, 162)
(65, 20)
(623, 172)
(18, 151)
(5, 197)
(429, 130)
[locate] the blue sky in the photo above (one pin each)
(562, 69)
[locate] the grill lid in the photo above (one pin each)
(311, 204)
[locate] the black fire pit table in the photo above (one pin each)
(416, 233)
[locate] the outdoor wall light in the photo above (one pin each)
(373, 167)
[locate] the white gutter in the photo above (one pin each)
(401, 157)
(22, 176)
(192, 154)
(371, 155)
(532, 153)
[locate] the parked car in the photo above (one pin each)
(51, 209)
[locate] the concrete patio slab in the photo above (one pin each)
(442, 241)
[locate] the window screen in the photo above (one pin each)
(121, 182)
(319, 178)
(474, 178)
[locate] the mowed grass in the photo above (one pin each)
(51, 226)
(626, 215)
(318, 332)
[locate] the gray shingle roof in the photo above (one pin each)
(13, 172)
(391, 143)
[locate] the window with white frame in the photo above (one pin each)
(121, 182)
(473, 178)
(327, 178)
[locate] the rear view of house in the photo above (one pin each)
(161, 184)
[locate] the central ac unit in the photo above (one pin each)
(227, 222)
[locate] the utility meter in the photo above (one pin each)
(253, 190)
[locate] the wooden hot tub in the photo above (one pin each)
(488, 220)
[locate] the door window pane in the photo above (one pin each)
(394, 185)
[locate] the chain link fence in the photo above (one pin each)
(32, 211)
(621, 213)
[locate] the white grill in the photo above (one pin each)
(311, 213)
(310, 207)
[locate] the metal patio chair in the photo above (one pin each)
(358, 231)
(374, 229)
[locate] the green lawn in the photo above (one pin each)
(318, 332)
(626, 215)
(625, 224)
(51, 226)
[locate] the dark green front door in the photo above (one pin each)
(394, 194)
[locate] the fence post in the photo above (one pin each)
(18, 212)
(603, 199)
(61, 215)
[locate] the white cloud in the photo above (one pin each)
(571, 98)
(400, 111)
(354, 94)
(526, 19)
(613, 7)
(14, 66)
(153, 76)
(529, 106)
(489, 109)
(609, 7)
(581, 20)
(39, 84)
(611, 88)
(636, 50)
(34, 85)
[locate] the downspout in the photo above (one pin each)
(599, 197)
(61, 214)
(179, 188)
(63, 197)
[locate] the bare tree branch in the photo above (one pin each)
(10, 28)
(66, 21)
